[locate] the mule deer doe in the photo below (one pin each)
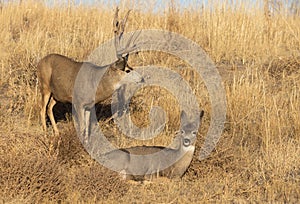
(57, 75)
(136, 159)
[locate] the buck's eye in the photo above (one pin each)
(194, 133)
(127, 70)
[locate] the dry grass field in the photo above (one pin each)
(258, 56)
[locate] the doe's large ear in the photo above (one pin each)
(201, 114)
(183, 116)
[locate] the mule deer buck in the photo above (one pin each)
(57, 75)
(142, 162)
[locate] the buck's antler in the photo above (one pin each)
(119, 27)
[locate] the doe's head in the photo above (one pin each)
(187, 134)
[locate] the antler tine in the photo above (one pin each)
(128, 49)
(116, 30)
(124, 23)
(116, 21)
(119, 28)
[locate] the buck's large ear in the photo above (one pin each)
(126, 57)
(119, 64)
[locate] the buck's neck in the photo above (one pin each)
(109, 82)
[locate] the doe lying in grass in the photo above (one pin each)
(143, 162)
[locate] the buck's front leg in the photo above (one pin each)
(87, 118)
(80, 112)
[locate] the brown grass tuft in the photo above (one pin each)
(32, 179)
(284, 67)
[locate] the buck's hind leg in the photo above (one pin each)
(52, 102)
(45, 100)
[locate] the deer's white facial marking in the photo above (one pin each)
(132, 77)
(187, 145)
(117, 86)
(186, 142)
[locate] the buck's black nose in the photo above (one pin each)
(143, 80)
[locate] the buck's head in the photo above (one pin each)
(127, 72)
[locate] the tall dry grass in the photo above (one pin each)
(257, 157)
